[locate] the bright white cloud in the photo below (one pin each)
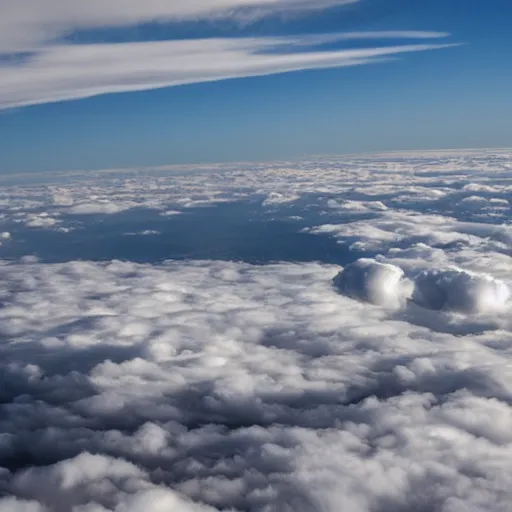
(278, 198)
(378, 283)
(98, 207)
(62, 72)
(460, 291)
(39, 220)
(27, 24)
(452, 290)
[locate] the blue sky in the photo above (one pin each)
(115, 83)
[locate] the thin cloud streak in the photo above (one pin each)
(66, 72)
(25, 25)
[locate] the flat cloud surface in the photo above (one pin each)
(376, 382)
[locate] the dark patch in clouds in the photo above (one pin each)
(239, 231)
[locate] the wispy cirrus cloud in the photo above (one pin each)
(26, 24)
(64, 72)
(39, 66)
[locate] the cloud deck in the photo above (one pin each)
(204, 385)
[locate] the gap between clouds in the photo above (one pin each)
(58, 72)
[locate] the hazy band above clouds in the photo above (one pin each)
(64, 72)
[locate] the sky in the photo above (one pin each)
(109, 84)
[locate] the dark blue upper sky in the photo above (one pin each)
(447, 97)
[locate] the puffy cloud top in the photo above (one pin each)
(460, 291)
(452, 290)
(371, 281)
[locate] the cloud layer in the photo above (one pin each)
(140, 385)
(197, 386)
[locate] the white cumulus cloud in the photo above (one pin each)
(378, 283)
(461, 291)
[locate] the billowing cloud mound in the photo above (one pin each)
(454, 290)
(460, 291)
(370, 281)
(278, 198)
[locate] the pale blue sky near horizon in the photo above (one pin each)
(448, 97)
